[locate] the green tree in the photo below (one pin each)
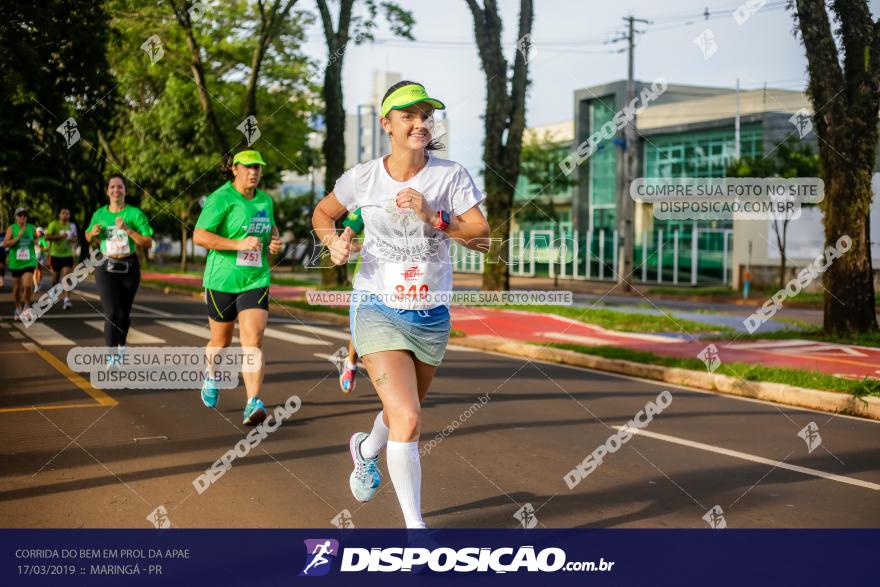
(790, 159)
(53, 69)
(165, 138)
(504, 123)
(348, 27)
(844, 88)
(539, 165)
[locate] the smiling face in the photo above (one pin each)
(116, 191)
(411, 127)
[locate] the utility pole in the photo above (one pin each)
(625, 204)
(736, 136)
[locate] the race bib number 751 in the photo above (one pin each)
(250, 258)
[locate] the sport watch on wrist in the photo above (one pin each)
(441, 221)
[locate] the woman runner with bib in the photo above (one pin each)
(412, 204)
(237, 226)
(19, 241)
(118, 229)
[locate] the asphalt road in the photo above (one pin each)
(74, 456)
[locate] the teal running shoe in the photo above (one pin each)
(365, 478)
(254, 412)
(210, 393)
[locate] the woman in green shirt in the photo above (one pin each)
(61, 235)
(118, 229)
(237, 226)
(19, 241)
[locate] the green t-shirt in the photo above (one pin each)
(229, 214)
(62, 247)
(22, 255)
(114, 241)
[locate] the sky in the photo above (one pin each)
(570, 54)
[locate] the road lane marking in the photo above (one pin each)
(75, 378)
(92, 296)
(294, 338)
(193, 329)
(43, 408)
(599, 329)
(81, 315)
(44, 335)
(754, 458)
(316, 331)
(134, 336)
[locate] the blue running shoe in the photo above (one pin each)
(210, 393)
(254, 412)
(365, 478)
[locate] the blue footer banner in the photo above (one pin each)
(212, 558)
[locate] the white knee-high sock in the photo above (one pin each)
(375, 442)
(405, 469)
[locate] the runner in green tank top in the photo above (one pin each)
(61, 235)
(237, 226)
(19, 241)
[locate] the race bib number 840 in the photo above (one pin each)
(407, 282)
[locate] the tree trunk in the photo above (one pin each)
(504, 125)
(183, 256)
(181, 13)
(269, 23)
(845, 103)
(849, 280)
(499, 197)
(334, 113)
(781, 241)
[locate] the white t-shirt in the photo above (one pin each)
(401, 253)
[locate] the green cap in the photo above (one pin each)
(407, 96)
(248, 158)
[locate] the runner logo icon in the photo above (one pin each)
(319, 554)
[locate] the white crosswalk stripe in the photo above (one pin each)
(294, 338)
(320, 332)
(152, 311)
(195, 330)
(44, 335)
(135, 336)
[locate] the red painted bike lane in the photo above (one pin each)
(835, 359)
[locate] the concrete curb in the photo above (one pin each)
(826, 401)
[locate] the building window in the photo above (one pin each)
(603, 169)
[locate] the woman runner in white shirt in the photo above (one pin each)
(412, 204)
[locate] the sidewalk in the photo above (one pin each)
(851, 361)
